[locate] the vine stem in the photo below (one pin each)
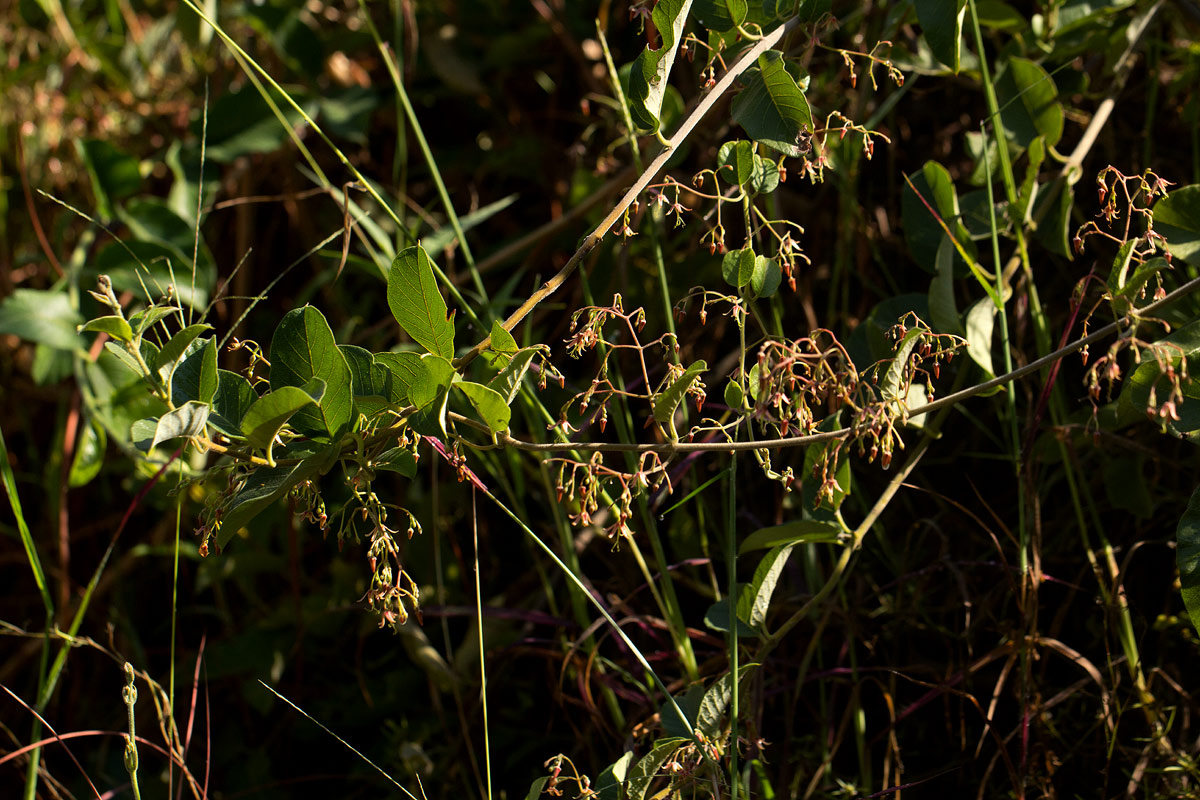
(594, 238)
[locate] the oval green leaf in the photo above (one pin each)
(269, 413)
(772, 109)
(666, 403)
(417, 305)
(303, 348)
(735, 161)
(488, 404)
(114, 326)
(1029, 104)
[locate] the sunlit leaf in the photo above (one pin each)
(735, 161)
(508, 381)
(178, 343)
(489, 404)
(772, 109)
(981, 319)
(233, 399)
(666, 403)
(269, 413)
(303, 348)
(188, 419)
(116, 327)
(766, 277)
(737, 267)
(417, 305)
(652, 68)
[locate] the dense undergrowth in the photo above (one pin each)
(357, 358)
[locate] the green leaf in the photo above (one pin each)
(1000, 16)
(943, 29)
(734, 395)
(1177, 217)
(674, 725)
(981, 319)
(609, 781)
(116, 327)
(488, 403)
(721, 15)
(303, 348)
(153, 220)
(398, 459)
(372, 383)
(406, 368)
(265, 485)
(45, 317)
(1183, 342)
(716, 701)
(755, 600)
(666, 403)
(772, 109)
(1029, 104)
(645, 770)
(1120, 267)
(1187, 555)
(196, 376)
(766, 277)
(178, 344)
(537, 787)
(737, 267)
(241, 123)
(429, 394)
(114, 174)
(1135, 284)
(502, 340)
(233, 399)
(142, 320)
(508, 382)
(943, 310)
(796, 532)
(269, 413)
(1029, 186)
(188, 419)
(717, 618)
(89, 454)
(808, 11)
(922, 231)
(735, 161)
(893, 379)
(652, 68)
(813, 456)
(416, 303)
(765, 178)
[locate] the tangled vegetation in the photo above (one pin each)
(663, 398)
